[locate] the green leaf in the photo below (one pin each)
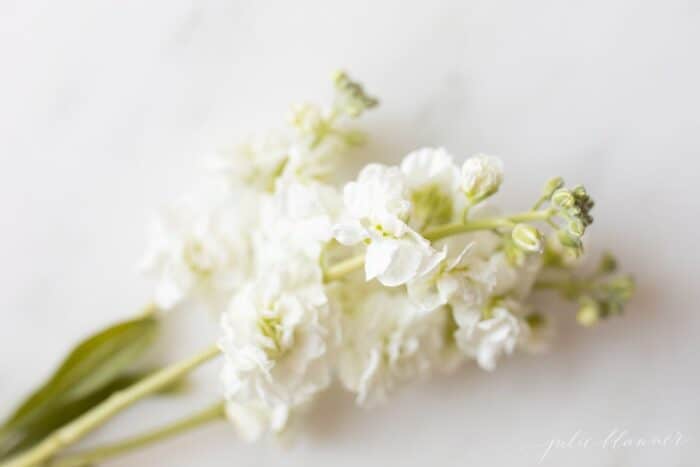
(30, 432)
(87, 375)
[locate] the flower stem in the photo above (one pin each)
(339, 270)
(101, 413)
(442, 231)
(568, 287)
(349, 265)
(447, 230)
(89, 457)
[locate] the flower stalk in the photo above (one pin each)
(342, 268)
(100, 414)
(447, 230)
(101, 453)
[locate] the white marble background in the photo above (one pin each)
(105, 106)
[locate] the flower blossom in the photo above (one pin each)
(432, 180)
(487, 339)
(199, 249)
(482, 175)
(387, 340)
(264, 245)
(376, 210)
(278, 336)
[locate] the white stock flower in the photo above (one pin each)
(482, 175)
(256, 163)
(376, 209)
(388, 340)
(461, 281)
(253, 419)
(278, 335)
(299, 216)
(429, 166)
(265, 161)
(199, 249)
(486, 340)
(513, 280)
(432, 180)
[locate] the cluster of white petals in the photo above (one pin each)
(376, 210)
(314, 282)
(387, 339)
(199, 248)
(278, 338)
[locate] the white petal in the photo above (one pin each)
(404, 264)
(379, 257)
(447, 286)
(465, 317)
(425, 294)
(430, 165)
(349, 233)
(431, 259)
(250, 421)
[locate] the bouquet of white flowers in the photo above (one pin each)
(405, 271)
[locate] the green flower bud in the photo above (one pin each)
(563, 198)
(583, 205)
(576, 228)
(527, 238)
(536, 320)
(621, 288)
(514, 255)
(552, 185)
(588, 313)
(351, 98)
(579, 192)
(607, 264)
(566, 239)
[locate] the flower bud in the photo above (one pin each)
(351, 98)
(622, 287)
(514, 254)
(552, 185)
(607, 264)
(563, 198)
(536, 320)
(579, 192)
(569, 241)
(589, 313)
(482, 175)
(306, 118)
(576, 228)
(527, 238)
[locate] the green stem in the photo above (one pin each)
(569, 288)
(88, 457)
(326, 128)
(101, 413)
(539, 203)
(447, 230)
(343, 268)
(531, 216)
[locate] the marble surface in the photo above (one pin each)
(105, 107)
